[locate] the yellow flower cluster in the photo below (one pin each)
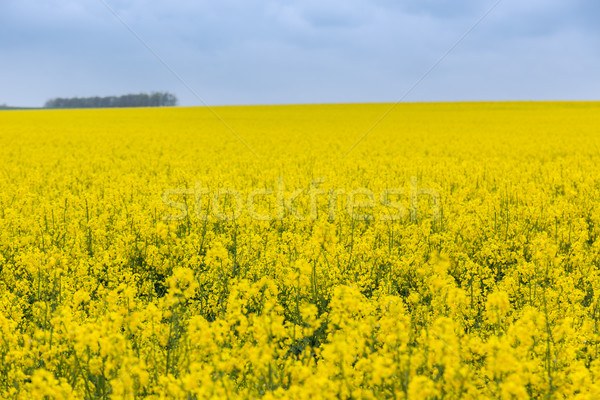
(453, 253)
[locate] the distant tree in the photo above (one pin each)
(154, 99)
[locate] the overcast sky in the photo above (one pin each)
(274, 52)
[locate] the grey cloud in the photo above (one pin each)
(250, 51)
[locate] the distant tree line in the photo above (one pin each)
(154, 99)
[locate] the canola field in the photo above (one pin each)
(453, 253)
